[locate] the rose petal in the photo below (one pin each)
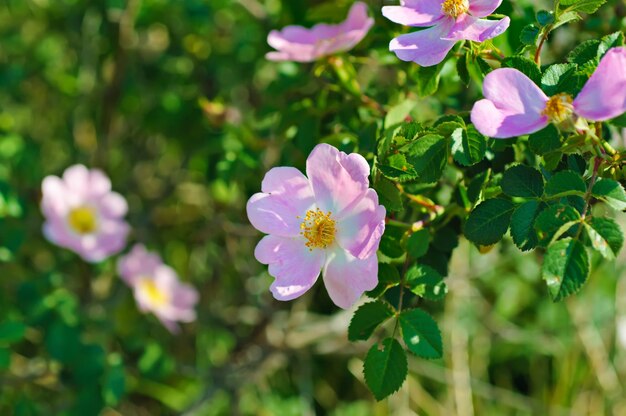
(338, 180)
(346, 278)
(482, 8)
(360, 229)
(113, 205)
(421, 13)
(512, 107)
(77, 179)
(604, 95)
(294, 266)
(426, 47)
(138, 263)
(478, 30)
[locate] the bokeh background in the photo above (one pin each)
(175, 101)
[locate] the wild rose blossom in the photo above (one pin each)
(514, 105)
(326, 221)
(157, 289)
(296, 43)
(449, 21)
(83, 214)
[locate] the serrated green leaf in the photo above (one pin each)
(583, 6)
(564, 18)
(418, 243)
(428, 155)
(426, 282)
(428, 79)
(611, 192)
(385, 369)
(421, 334)
(525, 65)
(522, 181)
(606, 236)
(545, 141)
(461, 69)
(607, 42)
(529, 34)
(390, 246)
(584, 52)
(389, 194)
(11, 331)
(554, 221)
(388, 277)
(565, 183)
(489, 221)
(565, 268)
(560, 78)
(468, 146)
(367, 318)
(397, 168)
(523, 225)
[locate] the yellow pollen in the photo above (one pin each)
(455, 8)
(154, 294)
(559, 108)
(318, 228)
(82, 220)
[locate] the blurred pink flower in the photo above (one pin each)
(514, 105)
(296, 43)
(330, 221)
(157, 289)
(450, 21)
(83, 214)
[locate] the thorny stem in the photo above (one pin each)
(402, 282)
(594, 177)
(544, 37)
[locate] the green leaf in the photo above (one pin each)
(522, 181)
(545, 17)
(385, 369)
(468, 146)
(584, 52)
(554, 222)
(398, 113)
(565, 268)
(418, 242)
(611, 192)
(367, 318)
(524, 65)
(388, 277)
(426, 282)
(565, 183)
(390, 246)
(461, 69)
(421, 334)
(606, 236)
(397, 168)
(545, 141)
(389, 194)
(428, 79)
(428, 155)
(11, 332)
(5, 358)
(607, 42)
(114, 381)
(489, 221)
(584, 6)
(529, 34)
(560, 78)
(523, 225)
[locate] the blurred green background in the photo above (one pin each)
(175, 101)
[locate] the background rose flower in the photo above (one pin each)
(328, 221)
(448, 20)
(83, 214)
(296, 43)
(514, 105)
(157, 289)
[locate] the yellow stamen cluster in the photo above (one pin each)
(318, 228)
(455, 8)
(156, 296)
(82, 220)
(559, 108)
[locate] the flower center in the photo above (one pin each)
(152, 292)
(455, 8)
(318, 228)
(559, 108)
(82, 220)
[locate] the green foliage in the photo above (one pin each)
(522, 181)
(385, 368)
(565, 268)
(367, 318)
(421, 334)
(489, 221)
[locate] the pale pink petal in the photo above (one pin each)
(426, 47)
(483, 8)
(99, 183)
(479, 30)
(54, 201)
(113, 205)
(513, 105)
(77, 179)
(346, 278)
(420, 13)
(286, 181)
(360, 229)
(110, 240)
(171, 326)
(139, 263)
(338, 179)
(291, 263)
(604, 95)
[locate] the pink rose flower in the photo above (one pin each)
(449, 21)
(83, 215)
(157, 289)
(330, 221)
(514, 105)
(296, 43)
